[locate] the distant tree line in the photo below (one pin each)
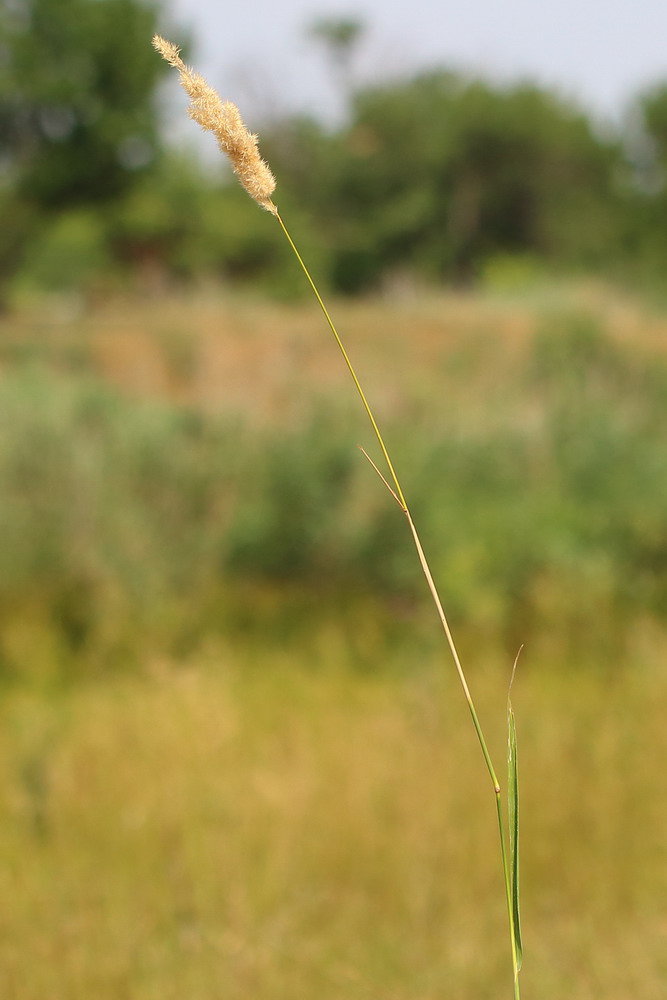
(435, 178)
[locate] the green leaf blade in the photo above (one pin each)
(513, 813)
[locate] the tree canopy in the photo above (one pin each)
(439, 172)
(434, 175)
(77, 104)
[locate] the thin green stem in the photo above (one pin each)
(341, 347)
(400, 497)
(452, 647)
(508, 895)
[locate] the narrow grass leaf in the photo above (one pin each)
(513, 812)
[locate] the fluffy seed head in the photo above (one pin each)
(223, 119)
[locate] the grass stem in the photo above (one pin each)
(399, 496)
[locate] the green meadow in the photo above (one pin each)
(235, 760)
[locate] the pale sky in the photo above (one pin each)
(599, 51)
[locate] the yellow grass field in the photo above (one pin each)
(278, 831)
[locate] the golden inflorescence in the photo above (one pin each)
(223, 119)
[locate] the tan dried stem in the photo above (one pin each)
(223, 119)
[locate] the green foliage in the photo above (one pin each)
(433, 178)
(78, 80)
(138, 525)
(78, 132)
(645, 203)
(111, 510)
(340, 36)
(292, 521)
(71, 253)
(439, 173)
(175, 223)
(181, 222)
(653, 106)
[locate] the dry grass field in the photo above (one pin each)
(230, 354)
(270, 830)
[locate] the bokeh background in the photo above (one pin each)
(234, 758)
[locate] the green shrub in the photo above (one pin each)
(70, 253)
(132, 525)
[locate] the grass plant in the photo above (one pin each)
(510, 859)
(224, 121)
(211, 627)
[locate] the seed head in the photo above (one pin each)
(223, 119)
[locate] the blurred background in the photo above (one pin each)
(234, 758)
